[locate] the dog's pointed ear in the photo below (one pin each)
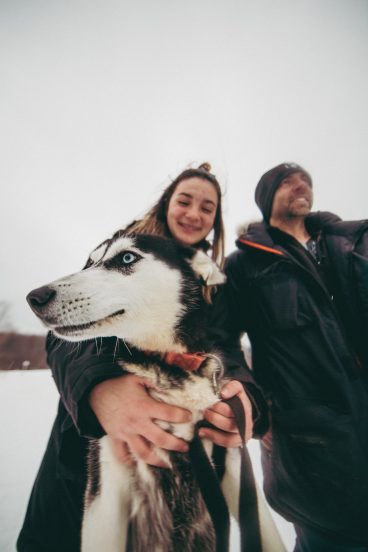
(207, 269)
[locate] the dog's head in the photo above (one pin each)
(137, 288)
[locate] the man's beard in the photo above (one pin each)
(297, 209)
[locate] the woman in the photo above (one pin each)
(98, 398)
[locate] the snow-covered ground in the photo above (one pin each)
(28, 401)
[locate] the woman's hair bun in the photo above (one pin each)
(205, 167)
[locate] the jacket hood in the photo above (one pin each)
(319, 220)
(332, 224)
(316, 221)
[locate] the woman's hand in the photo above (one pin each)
(127, 413)
(221, 416)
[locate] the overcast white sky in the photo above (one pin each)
(101, 102)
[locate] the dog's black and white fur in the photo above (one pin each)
(146, 291)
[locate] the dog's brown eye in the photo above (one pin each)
(128, 258)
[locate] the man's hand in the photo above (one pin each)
(221, 416)
(127, 413)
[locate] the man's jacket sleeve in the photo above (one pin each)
(225, 334)
(360, 283)
(76, 369)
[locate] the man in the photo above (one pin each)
(298, 284)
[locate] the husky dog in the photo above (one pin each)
(147, 291)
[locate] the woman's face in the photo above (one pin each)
(192, 210)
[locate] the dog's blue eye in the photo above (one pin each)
(128, 258)
(123, 261)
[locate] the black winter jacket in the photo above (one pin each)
(310, 352)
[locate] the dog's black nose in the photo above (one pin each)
(39, 298)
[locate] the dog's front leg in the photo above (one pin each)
(106, 516)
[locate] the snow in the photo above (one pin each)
(28, 401)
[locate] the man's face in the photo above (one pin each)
(293, 198)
